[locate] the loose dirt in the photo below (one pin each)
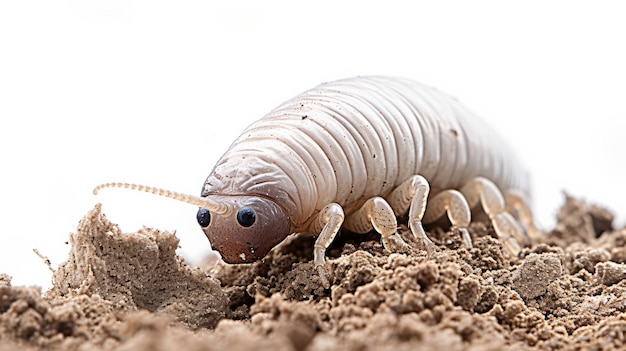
(130, 291)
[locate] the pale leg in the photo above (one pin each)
(327, 223)
(377, 214)
(487, 193)
(452, 203)
(412, 196)
(517, 202)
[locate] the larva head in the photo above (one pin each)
(249, 231)
(242, 228)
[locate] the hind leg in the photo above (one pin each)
(518, 203)
(490, 197)
(411, 196)
(452, 203)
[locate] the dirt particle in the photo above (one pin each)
(535, 274)
(469, 292)
(609, 273)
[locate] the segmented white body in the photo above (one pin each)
(353, 139)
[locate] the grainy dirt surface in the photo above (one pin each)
(130, 291)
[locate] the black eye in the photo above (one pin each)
(204, 217)
(246, 216)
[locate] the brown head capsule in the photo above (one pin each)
(242, 228)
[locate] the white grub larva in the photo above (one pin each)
(358, 153)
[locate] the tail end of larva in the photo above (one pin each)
(212, 206)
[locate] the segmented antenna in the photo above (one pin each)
(210, 205)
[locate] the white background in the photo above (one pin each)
(154, 92)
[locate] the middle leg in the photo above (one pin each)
(377, 214)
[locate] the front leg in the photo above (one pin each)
(327, 223)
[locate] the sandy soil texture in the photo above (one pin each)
(130, 291)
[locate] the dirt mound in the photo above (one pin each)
(131, 292)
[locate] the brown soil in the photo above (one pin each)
(131, 292)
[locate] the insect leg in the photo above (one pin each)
(490, 197)
(452, 203)
(327, 223)
(411, 196)
(517, 203)
(377, 214)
